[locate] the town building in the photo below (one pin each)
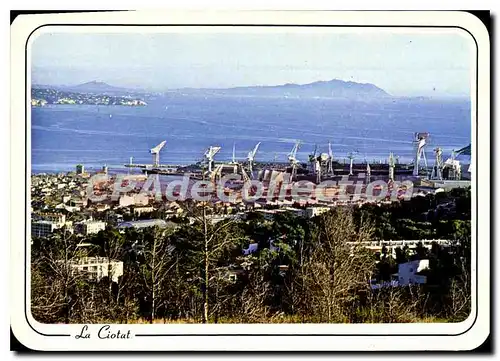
(57, 218)
(138, 211)
(298, 212)
(269, 214)
(311, 212)
(80, 169)
(392, 245)
(408, 273)
(145, 223)
(89, 227)
(95, 268)
(133, 200)
(102, 207)
(42, 228)
(216, 218)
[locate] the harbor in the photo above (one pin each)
(321, 167)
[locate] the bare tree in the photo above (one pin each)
(391, 304)
(113, 250)
(217, 238)
(54, 277)
(47, 301)
(459, 295)
(257, 290)
(336, 269)
(157, 266)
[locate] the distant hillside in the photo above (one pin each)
(465, 150)
(324, 89)
(96, 87)
(44, 96)
(93, 87)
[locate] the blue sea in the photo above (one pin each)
(65, 135)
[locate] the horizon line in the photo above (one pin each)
(163, 90)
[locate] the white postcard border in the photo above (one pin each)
(239, 337)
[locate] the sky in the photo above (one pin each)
(410, 64)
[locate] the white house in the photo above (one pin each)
(96, 268)
(145, 223)
(140, 210)
(311, 212)
(89, 227)
(408, 272)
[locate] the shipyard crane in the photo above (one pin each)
(233, 161)
(244, 175)
(209, 156)
(351, 157)
(293, 152)
(312, 156)
(453, 167)
(251, 157)
(467, 152)
(131, 162)
(419, 142)
(292, 158)
(437, 171)
(217, 172)
(392, 164)
(330, 159)
(321, 165)
(156, 153)
(315, 163)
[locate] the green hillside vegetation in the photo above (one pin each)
(197, 272)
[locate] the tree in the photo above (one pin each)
(55, 281)
(459, 298)
(402, 254)
(460, 286)
(210, 246)
(337, 270)
(253, 305)
(157, 265)
(386, 266)
(421, 252)
(112, 246)
(393, 304)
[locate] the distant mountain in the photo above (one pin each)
(320, 89)
(93, 87)
(465, 150)
(96, 87)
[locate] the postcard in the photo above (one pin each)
(250, 181)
